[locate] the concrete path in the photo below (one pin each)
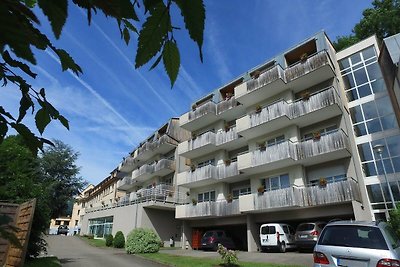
(74, 252)
(289, 258)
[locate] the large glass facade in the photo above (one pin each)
(100, 227)
(374, 122)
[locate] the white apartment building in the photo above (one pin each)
(288, 141)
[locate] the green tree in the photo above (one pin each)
(21, 180)
(383, 19)
(61, 174)
(19, 33)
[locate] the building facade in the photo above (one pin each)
(288, 141)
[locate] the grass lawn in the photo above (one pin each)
(40, 262)
(94, 242)
(183, 261)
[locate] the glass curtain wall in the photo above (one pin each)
(100, 227)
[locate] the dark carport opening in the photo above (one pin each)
(238, 233)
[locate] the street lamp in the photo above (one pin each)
(379, 150)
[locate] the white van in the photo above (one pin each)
(277, 235)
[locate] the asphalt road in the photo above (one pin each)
(73, 252)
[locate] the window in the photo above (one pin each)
(330, 179)
(324, 131)
(206, 162)
(206, 196)
(76, 222)
(241, 191)
(79, 211)
(276, 182)
(275, 141)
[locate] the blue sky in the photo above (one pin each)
(112, 107)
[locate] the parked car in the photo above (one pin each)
(211, 239)
(307, 234)
(357, 243)
(62, 230)
(277, 235)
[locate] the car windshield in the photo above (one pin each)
(208, 234)
(393, 239)
(305, 227)
(353, 236)
(268, 230)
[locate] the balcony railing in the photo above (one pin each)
(202, 173)
(266, 77)
(286, 197)
(330, 142)
(223, 137)
(301, 68)
(274, 153)
(202, 110)
(212, 208)
(202, 140)
(153, 145)
(225, 105)
(269, 113)
(164, 164)
(316, 101)
(145, 169)
(295, 196)
(336, 192)
(225, 170)
(126, 181)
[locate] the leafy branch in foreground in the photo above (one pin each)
(19, 33)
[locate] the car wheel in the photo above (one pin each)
(282, 247)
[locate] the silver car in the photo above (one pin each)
(357, 244)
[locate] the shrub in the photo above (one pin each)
(394, 220)
(119, 240)
(229, 257)
(142, 240)
(109, 240)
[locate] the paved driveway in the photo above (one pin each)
(73, 252)
(289, 258)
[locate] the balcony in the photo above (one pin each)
(144, 173)
(281, 114)
(273, 157)
(208, 209)
(198, 177)
(229, 109)
(125, 184)
(316, 69)
(331, 146)
(209, 174)
(164, 167)
(162, 145)
(300, 197)
(198, 146)
(201, 116)
(128, 164)
(269, 83)
(229, 139)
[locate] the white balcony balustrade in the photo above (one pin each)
(227, 170)
(208, 209)
(143, 173)
(269, 113)
(266, 77)
(125, 183)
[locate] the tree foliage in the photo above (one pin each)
(119, 240)
(141, 240)
(20, 180)
(383, 19)
(61, 174)
(19, 33)
(52, 178)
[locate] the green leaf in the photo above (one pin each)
(56, 12)
(194, 15)
(24, 104)
(127, 36)
(42, 119)
(130, 26)
(67, 62)
(5, 113)
(32, 141)
(63, 121)
(171, 60)
(17, 64)
(30, 3)
(3, 128)
(156, 62)
(152, 36)
(149, 5)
